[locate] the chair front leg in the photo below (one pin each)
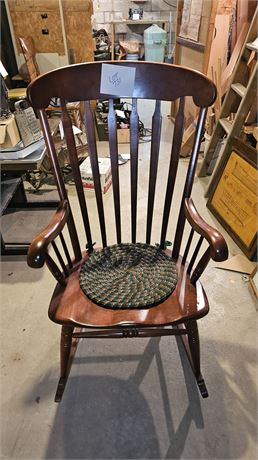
(194, 346)
(65, 360)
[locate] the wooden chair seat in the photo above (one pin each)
(70, 306)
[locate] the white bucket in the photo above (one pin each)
(132, 57)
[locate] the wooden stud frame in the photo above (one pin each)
(234, 199)
(254, 283)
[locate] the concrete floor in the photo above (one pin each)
(129, 398)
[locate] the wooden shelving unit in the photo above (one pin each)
(161, 22)
(239, 100)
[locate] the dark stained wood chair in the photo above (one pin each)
(29, 53)
(82, 315)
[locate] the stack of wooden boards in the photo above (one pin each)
(229, 58)
(223, 28)
(239, 105)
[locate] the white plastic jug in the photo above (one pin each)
(154, 43)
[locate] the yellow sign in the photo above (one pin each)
(235, 198)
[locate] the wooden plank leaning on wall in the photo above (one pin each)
(225, 14)
(188, 53)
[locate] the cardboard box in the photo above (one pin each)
(123, 134)
(104, 171)
(9, 134)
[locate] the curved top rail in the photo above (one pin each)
(152, 81)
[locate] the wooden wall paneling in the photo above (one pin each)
(182, 50)
(31, 17)
(179, 11)
(245, 12)
(226, 6)
(205, 21)
(187, 56)
(28, 19)
(33, 5)
(214, 32)
(78, 28)
(78, 5)
(210, 35)
(228, 71)
(190, 58)
(219, 43)
(186, 53)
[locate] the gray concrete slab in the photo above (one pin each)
(128, 398)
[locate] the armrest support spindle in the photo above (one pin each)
(37, 251)
(218, 247)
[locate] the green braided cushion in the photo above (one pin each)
(128, 276)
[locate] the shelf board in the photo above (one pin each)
(139, 21)
(239, 89)
(190, 43)
(251, 47)
(226, 125)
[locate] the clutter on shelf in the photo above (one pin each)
(135, 13)
(130, 49)
(102, 44)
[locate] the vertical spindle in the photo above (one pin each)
(92, 146)
(112, 133)
(155, 145)
(134, 139)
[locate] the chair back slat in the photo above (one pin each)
(91, 138)
(134, 139)
(112, 133)
(154, 156)
(68, 258)
(73, 157)
(188, 245)
(175, 151)
(60, 258)
(201, 265)
(189, 182)
(195, 254)
(60, 182)
(56, 272)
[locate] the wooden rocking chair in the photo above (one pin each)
(128, 289)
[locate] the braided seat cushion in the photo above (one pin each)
(126, 276)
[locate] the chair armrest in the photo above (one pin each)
(218, 245)
(38, 246)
